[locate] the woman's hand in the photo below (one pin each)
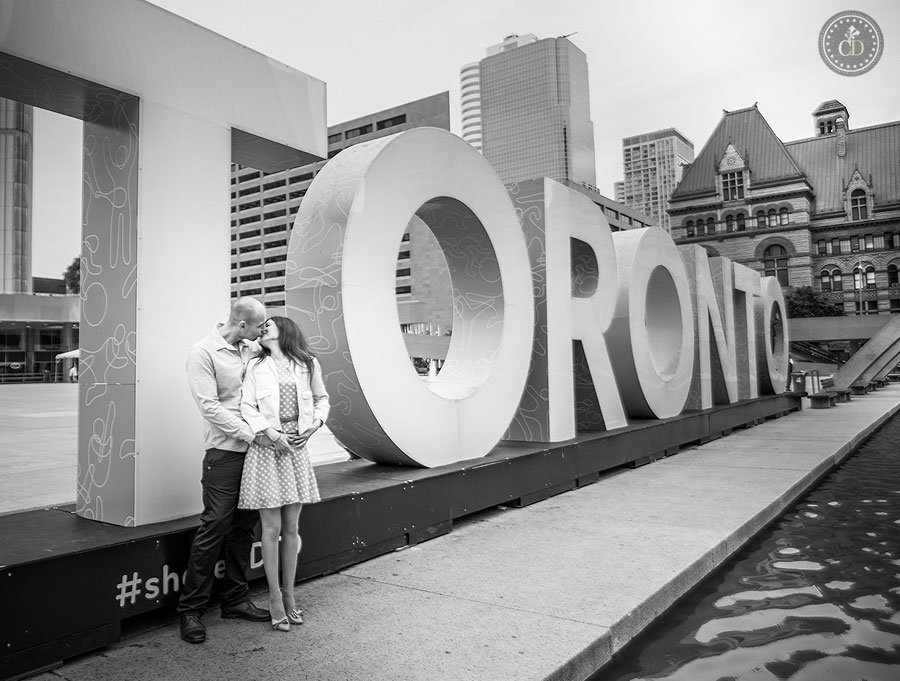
(300, 439)
(282, 444)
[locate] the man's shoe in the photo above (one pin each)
(246, 611)
(192, 629)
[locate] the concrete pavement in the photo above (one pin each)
(549, 591)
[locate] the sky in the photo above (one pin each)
(653, 64)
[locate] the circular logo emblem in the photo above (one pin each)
(851, 43)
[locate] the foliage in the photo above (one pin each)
(72, 276)
(805, 301)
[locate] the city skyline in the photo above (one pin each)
(652, 65)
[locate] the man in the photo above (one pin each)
(215, 369)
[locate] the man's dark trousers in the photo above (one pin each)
(220, 523)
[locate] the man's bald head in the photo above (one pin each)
(248, 315)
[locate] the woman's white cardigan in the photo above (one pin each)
(260, 398)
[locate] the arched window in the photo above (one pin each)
(893, 279)
(760, 220)
(710, 226)
(783, 216)
(741, 223)
(729, 223)
(863, 277)
(831, 280)
(689, 226)
(858, 208)
(775, 263)
(773, 218)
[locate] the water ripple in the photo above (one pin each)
(816, 599)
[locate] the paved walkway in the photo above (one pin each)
(545, 592)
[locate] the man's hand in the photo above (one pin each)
(262, 439)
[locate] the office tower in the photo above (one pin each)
(470, 88)
(264, 205)
(470, 103)
(654, 163)
(535, 110)
(16, 125)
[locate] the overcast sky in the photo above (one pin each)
(653, 64)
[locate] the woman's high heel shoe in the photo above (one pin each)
(281, 625)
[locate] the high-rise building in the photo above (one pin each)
(653, 164)
(619, 190)
(535, 110)
(470, 88)
(264, 205)
(16, 127)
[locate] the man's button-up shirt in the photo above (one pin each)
(215, 371)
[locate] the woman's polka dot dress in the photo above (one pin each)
(270, 479)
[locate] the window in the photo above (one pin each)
(822, 247)
(867, 307)
(760, 220)
(854, 244)
(773, 218)
(845, 244)
(729, 223)
(391, 122)
(403, 255)
(336, 137)
(403, 272)
(836, 246)
(870, 242)
(889, 240)
(403, 289)
(356, 132)
(858, 208)
(775, 263)
(861, 275)
(895, 305)
(741, 222)
(710, 226)
(689, 228)
(831, 280)
(732, 186)
(893, 280)
(783, 217)
(878, 242)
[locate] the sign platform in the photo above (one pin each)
(105, 574)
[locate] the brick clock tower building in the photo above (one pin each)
(823, 211)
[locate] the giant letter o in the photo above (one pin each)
(340, 288)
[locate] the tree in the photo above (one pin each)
(72, 276)
(805, 301)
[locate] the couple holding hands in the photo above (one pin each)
(260, 391)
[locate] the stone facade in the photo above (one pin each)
(822, 211)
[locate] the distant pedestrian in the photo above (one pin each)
(73, 374)
(284, 398)
(215, 369)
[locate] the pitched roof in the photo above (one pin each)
(754, 140)
(874, 151)
(829, 106)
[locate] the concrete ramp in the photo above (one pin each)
(873, 359)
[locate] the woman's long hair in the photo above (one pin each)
(291, 342)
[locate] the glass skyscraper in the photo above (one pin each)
(535, 112)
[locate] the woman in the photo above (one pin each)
(283, 397)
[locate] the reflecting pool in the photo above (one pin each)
(816, 597)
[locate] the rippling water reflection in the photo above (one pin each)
(815, 600)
